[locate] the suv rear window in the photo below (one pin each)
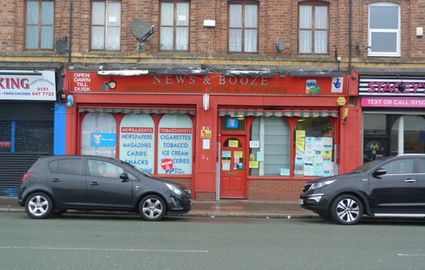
(67, 166)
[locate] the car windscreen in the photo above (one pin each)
(135, 168)
(367, 166)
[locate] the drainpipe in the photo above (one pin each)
(350, 37)
(71, 10)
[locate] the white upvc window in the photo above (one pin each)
(384, 29)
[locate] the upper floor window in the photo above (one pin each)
(39, 24)
(243, 28)
(106, 25)
(384, 29)
(313, 29)
(174, 34)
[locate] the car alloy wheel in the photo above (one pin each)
(38, 205)
(347, 210)
(152, 208)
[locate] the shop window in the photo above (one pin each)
(175, 142)
(174, 32)
(137, 141)
(375, 124)
(270, 147)
(412, 131)
(313, 29)
(106, 25)
(314, 147)
(98, 135)
(26, 137)
(243, 27)
(384, 29)
(39, 29)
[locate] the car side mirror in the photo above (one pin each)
(379, 172)
(124, 177)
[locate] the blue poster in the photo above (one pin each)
(103, 139)
(232, 123)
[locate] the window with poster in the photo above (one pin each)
(314, 147)
(270, 144)
(139, 135)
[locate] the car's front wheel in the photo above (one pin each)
(38, 205)
(347, 210)
(152, 208)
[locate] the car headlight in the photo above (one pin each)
(322, 184)
(174, 189)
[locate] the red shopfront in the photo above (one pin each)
(226, 137)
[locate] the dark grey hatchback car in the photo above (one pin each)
(55, 184)
(391, 187)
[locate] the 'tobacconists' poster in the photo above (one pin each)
(175, 150)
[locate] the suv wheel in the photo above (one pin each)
(152, 208)
(347, 210)
(38, 205)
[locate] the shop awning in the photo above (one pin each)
(278, 113)
(141, 110)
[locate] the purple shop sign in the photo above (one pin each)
(401, 102)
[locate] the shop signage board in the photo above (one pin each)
(392, 86)
(91, 82)
(27, 85)
(400, 102)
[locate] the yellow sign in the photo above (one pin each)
(253, 164)
(233, 143)
(206, 133)
(238, 154)
(341, 101)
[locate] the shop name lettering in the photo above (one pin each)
(387, 87)
(206, 80)
(14, 83)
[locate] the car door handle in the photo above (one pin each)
(410, 180)
(55, 180)
(94, 183)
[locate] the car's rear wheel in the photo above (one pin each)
(347, 210)
(38, 205)
(152, 208)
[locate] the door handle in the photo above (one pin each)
(56, 180)
(410, 180)
(94, 183)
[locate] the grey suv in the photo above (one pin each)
(55, 184)
(388, 187)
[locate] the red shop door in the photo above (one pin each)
(233, 166)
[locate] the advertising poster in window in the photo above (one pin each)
(137, 145)
(175, 150)
(316, 157)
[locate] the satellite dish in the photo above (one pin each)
(280, 45)
(61, 45)
(142, 30)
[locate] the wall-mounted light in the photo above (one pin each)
(206, 102)
(109, 85)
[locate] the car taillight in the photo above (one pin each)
(26, 176)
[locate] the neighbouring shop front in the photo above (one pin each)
(393, 115)
(27, 108)
(226, 136)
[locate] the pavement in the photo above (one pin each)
(216, 209)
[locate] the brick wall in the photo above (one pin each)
(275, 190)
(277, 19)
